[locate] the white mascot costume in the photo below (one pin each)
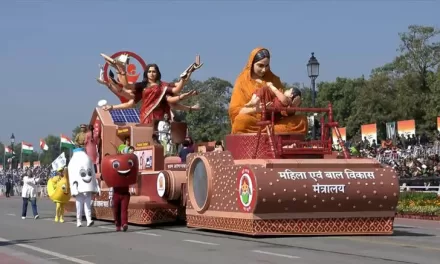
(83, 184)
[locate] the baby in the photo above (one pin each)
(290, 97)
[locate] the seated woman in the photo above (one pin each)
(254, 76)
(158, 97)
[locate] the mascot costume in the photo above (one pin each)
(83, 184)
(58, 190)
(119, 172)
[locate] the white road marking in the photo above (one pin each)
(200, 242)
(12, 214)
(50, 253)
(275, 254)
(418, 227)
(80, 256)
(107, 227)
(148, 234)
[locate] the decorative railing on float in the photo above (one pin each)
(283, 147)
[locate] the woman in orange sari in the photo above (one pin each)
(254, 76)
(158, 97)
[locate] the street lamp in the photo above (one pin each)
(313, 71)
(12, 149)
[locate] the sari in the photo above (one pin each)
(154, 104)
(90, 145)
(243, 90)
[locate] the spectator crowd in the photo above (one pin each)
(12, 179)
(415, 158)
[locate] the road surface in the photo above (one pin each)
(43, 241)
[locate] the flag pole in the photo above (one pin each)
(21, 155)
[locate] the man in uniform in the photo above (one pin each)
(81, 137)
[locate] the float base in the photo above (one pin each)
(139, 213)
(291, 227)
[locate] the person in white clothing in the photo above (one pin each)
(29, 194)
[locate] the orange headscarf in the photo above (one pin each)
(245, 86)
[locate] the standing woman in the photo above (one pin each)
(90, 143)
(29, 194)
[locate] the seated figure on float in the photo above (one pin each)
(256, 75)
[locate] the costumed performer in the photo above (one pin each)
(119, 172)
(254, 76)
(83, 184)
(58, 190)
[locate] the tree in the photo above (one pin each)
(418, 55)
(53, 143)
(211, 123)
(406, 88)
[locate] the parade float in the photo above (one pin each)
(262, 184)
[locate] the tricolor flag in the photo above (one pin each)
(8, 150)
(66, 142)
(26, 148)
(43, 145)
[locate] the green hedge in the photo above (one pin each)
(417, 196)
(419, 210)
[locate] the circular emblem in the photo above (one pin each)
(246, 189)
(160, 184)
(134, 70)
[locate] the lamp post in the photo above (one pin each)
(12, 149)
(313, 72)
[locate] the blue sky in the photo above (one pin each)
(49, 50)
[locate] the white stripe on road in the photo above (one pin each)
(48, 252)
(417, 227)
(148, 234)
(201, 242)
(275, 254)
(12, 214)
(107, 227)
(81, 256)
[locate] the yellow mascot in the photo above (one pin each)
(58, 189)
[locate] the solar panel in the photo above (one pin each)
(125, 115)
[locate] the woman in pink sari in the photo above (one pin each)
(158, 97)
(91, 143)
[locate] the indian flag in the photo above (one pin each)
(8, 150)
(26, 148)
(66, 142)
(43, 145)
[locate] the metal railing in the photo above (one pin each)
(16, 191)
(426, 188)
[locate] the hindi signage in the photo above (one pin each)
(320, 175)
